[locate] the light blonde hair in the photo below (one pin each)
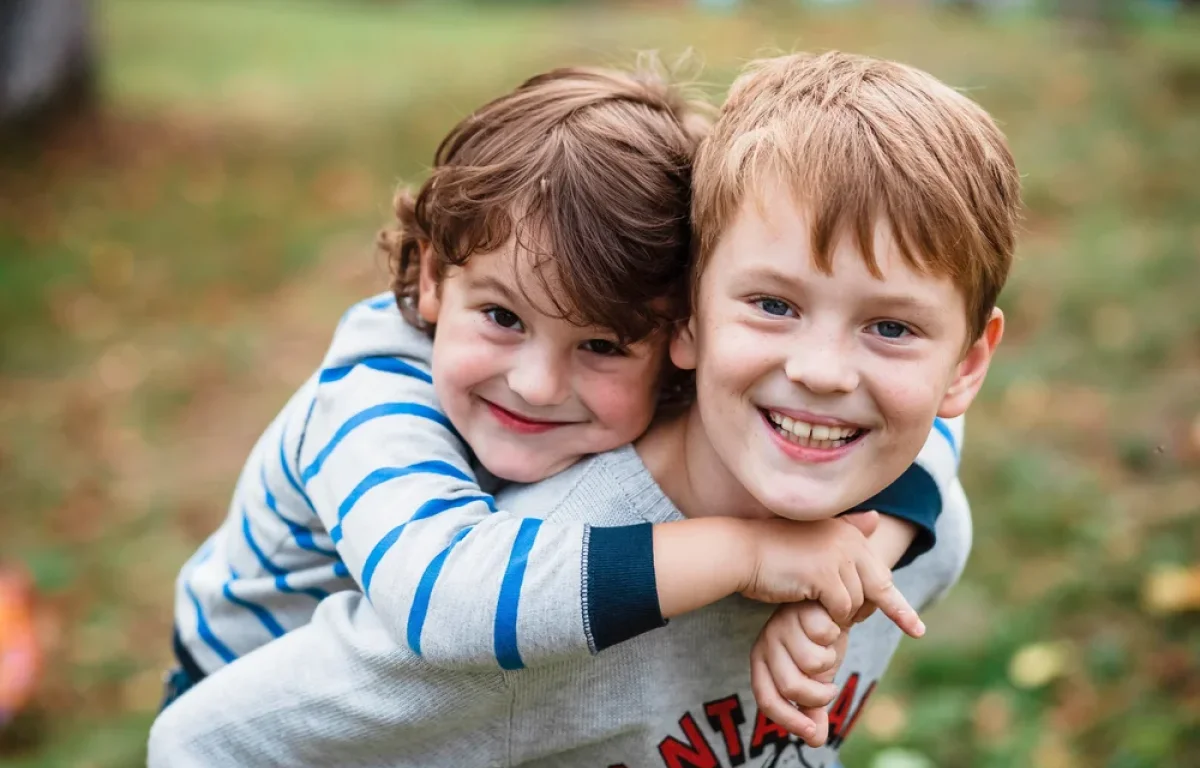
(859, 141)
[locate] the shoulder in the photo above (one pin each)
(374, 327)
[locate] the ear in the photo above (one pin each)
(973, 368)
(683, 345)
(429, 298)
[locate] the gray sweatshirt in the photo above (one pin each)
(338, 691)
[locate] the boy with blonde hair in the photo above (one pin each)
(856, 223)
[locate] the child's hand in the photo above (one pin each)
(792, 667)
(827, 561)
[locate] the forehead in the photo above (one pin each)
(518, 267)
(772, 228)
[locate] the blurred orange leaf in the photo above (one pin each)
(1172, 589)
(885, 719)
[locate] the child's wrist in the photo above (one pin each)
(735, 541)
(700, 561)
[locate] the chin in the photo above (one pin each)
(805, 505)
(517, 471)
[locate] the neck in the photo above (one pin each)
(677, 452)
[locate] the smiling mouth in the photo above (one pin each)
(520, 423)
(819, 436)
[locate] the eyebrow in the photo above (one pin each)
(490, 282)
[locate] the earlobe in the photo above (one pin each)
(429, 300)
(683, 345)
(973, 368)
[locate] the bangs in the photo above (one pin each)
(863, 143)
(609, 249)
(842, 174)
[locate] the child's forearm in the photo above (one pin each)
(891, 539)
(698, 562)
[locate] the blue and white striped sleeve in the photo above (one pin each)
(450, 576)
(919, 494)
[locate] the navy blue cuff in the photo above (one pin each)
(913, 497)
(622, 595)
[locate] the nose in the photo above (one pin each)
(822, 362)
(540, 378)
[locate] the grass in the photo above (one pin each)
(170, 270)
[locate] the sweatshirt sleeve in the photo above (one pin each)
(335, 691)
(458, 581)
(920, 494)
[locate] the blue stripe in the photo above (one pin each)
(287, 470)
(340, 570)
(941, 426)
(303, 536)
(385, 474)
(263, 560)
(206, 633)
(262, 614)
(314, 592)
(507, 652)
(383, 364)
(420, 606)
(428, 509)
(362, 417)
(382, 301)
(279, 573)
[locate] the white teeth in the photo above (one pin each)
(811, 435)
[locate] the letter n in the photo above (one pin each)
(696, 753)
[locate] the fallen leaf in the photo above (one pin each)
(1037, 664)
(1172, 589)
(885, 719)
(993, 717)
(901, 758)
(1051, 752)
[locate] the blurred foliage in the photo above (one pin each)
(173, 266)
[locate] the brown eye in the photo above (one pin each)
(503, 317)
(603, 347)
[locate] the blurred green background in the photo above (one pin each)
(172, 265)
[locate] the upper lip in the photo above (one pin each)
(813, 418)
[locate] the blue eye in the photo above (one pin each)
(775, 307)
(890, 329)
(503, 317)
(604, 348)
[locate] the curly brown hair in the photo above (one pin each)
(590, 170)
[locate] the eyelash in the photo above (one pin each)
(615, 349)
(759, 301)
(905, 328)
(490, 314)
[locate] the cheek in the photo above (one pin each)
(907, 396)
(734, 355)
(461, 361)
(623, 403)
